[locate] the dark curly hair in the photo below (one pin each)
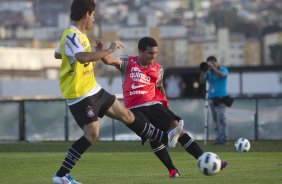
(146, 42)
(80, 7)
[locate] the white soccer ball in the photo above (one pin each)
(242, 145)
(209, 163)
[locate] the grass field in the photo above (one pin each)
(131, 163)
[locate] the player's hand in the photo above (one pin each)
(99, 45)
(116, 45)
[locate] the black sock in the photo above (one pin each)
(73, 155)
(190, 145)
(148, 131)
(162, 153)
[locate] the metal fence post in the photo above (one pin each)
(66, 122)
(256, 119)
(114, 130)
(206, 123)
(22, 136)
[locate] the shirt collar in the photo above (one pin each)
(75, 28)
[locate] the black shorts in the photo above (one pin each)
(89, 109)
(158, 115)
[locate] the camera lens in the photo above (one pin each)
(204, 66)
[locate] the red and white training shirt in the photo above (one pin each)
(140, 84)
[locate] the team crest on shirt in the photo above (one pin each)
(89, 112)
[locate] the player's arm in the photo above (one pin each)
(108, 60)
(216, 70)
(160, 83)
(57, 53)
(162, 89)
(84, 57)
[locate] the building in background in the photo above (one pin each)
(230, 49)
(30, 30)
(272, 48)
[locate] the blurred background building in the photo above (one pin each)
(238, 32)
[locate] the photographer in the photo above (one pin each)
(216, 76)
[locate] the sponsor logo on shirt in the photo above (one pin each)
(136, 87)
(136, 75)
(137, 92)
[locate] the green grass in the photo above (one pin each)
(130, 163)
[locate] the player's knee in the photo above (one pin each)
(91, 132)
(127, 116)
(92, 136)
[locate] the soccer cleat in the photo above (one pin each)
(68, 179)
(223, 164)
(71, 179)
(61, 180)
(173, 173)
(174, 134)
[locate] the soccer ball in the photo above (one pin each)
(242, 145)
(209, 163)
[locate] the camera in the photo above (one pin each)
(204, 66)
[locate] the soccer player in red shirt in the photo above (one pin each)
(144, 95)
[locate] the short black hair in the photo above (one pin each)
(80, 7)
(146, 42)
(211, 58)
